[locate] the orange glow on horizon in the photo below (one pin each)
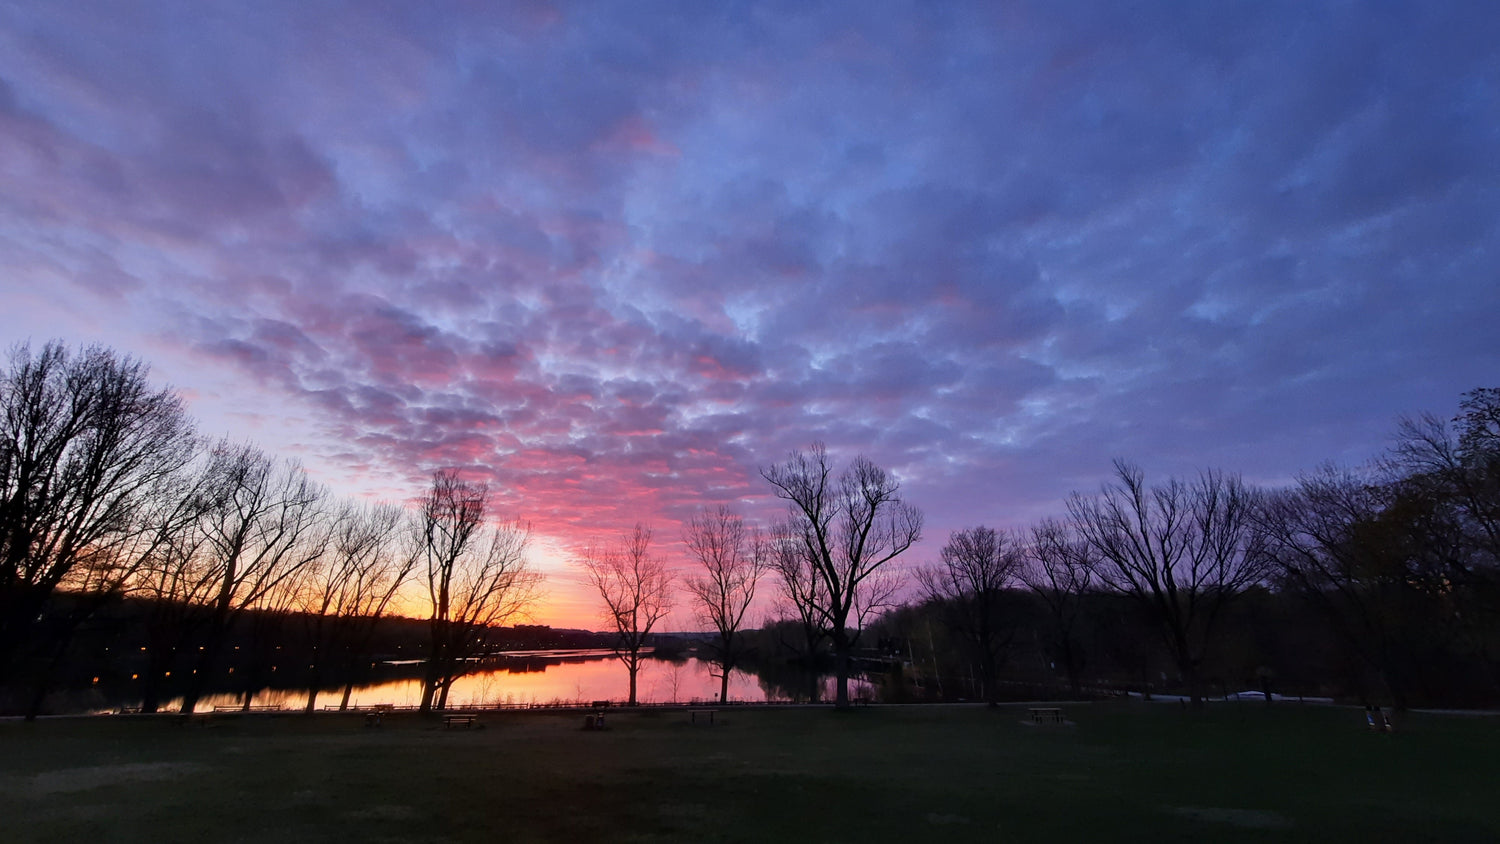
(567, 601)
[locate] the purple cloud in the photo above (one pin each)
(613, 260)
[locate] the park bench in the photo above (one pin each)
(1378, 720)
(708, 715)
(1046, 715)
(465, 721)
(376, 713)
(599, 704)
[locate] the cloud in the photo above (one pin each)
(614, 260)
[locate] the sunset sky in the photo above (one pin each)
(613, 257)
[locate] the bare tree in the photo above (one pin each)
(978, 565)
(1446, 482)
(262, 632)
(636, 588)
(1182, 551)
(1457, 471)
(1059, 570)
(263, 523)
(351, 588)
(477, 578)
(178, 581)
(85, 445)
(799, 597)
(847, 529)
(733, 560)
(106, 571)
(1335, 541)
(880, 593)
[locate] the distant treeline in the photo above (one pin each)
(110, 658)
(1378, 584)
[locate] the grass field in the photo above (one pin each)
(1119, 772)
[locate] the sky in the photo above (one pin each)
(614, 258)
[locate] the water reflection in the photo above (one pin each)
(597, 676)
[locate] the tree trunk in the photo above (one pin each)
(190, 698)
(810, 665)
(1070, 664)
(429, 688)
(724, 687)
(150, 697)
(632, 666)
(1195, 692)
(196, 680)
(43, 682)
(154, 678)
(990, 670)
(841, 669)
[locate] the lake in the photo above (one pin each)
(584, 676)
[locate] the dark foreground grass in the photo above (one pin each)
(1121, 772)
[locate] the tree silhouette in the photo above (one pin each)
(351, 587)
(845, 530)
(263, 522)
(1059, 571)
(87, 448)
(476, 578)
(969, 587)
(636, 588)
(1182, 550)
(733, 560)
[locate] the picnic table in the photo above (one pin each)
(1046, 715)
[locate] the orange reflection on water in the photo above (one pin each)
(605, 678)
(659, 681)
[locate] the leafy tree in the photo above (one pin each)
(1457, 471)
(1343, 542)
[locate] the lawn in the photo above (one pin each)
(1118, 772)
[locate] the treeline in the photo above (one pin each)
(110, 654)
(107, 492)
(1377, 584)
(205, 558)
